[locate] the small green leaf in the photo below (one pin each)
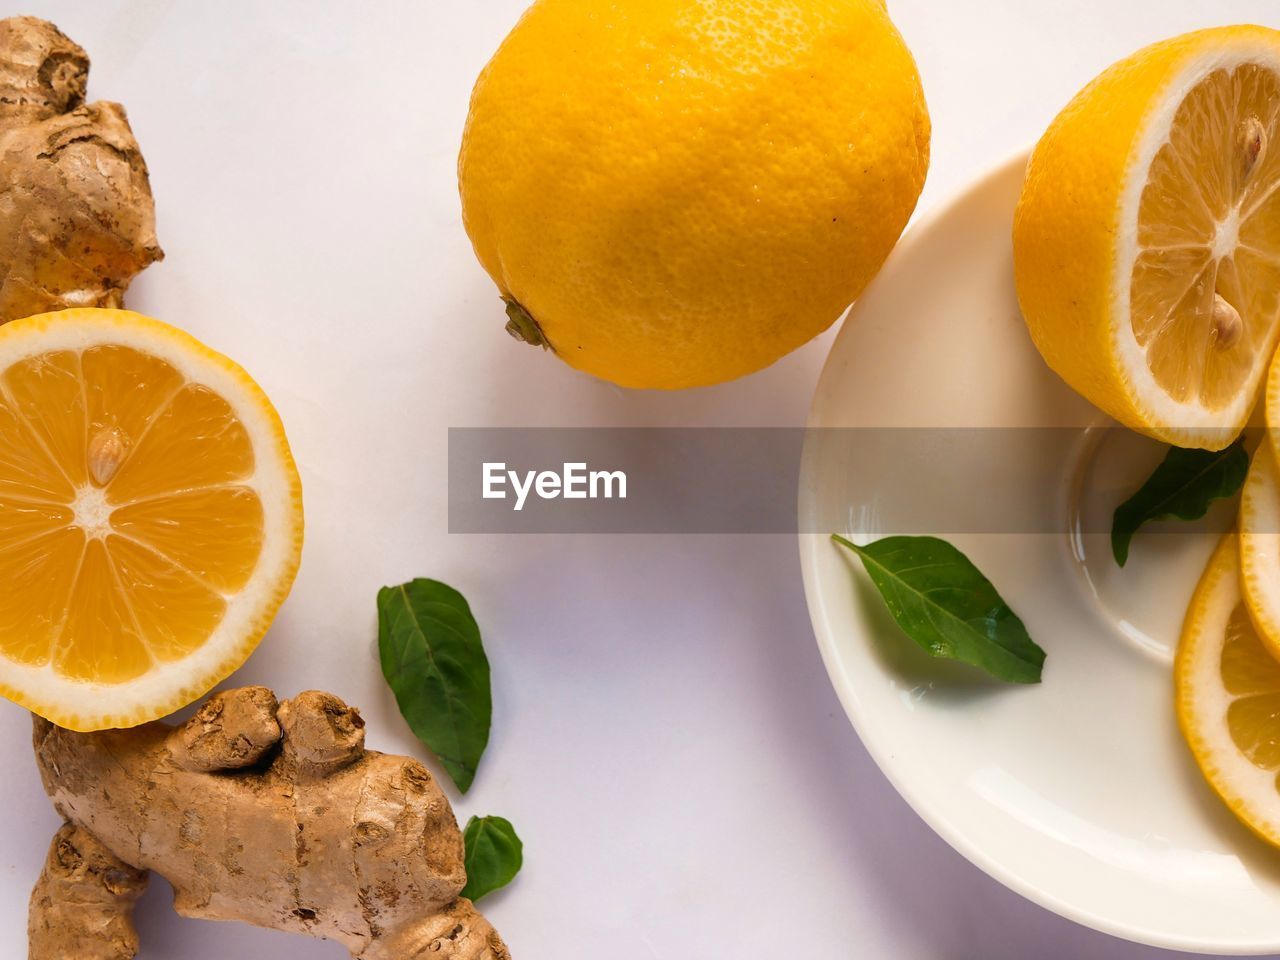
(432, 657)
(1182, 488)
(493, 855)
(945, 604)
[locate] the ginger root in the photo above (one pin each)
(77, 221)
(270, 813)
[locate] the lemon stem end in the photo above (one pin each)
(522, 326)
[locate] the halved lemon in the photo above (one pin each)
(1260, 546)
(1227, 689)
(1147, 237)
(150, 517)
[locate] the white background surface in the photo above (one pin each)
(665, 738)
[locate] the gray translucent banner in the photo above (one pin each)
(784, 480)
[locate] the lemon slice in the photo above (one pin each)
(1147, 237)
(150, 517)
(1260, 546)
(1227, 688)
(1271, 407)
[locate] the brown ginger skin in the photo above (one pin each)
(77, 221)
(82, 906)
(269, 813)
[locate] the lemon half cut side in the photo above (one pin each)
(150, 517)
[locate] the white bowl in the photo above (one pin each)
(1077, 792)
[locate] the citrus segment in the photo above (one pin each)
(214, 533)
(26, 469)
(36, 578)
(197, 440)
(125, 388)
(1227, 688)
(24, 520)
(99, 639)
(173, 609)
(150, 517)
(47, 394)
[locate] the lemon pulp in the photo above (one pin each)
(1205, 288)
(125, 518)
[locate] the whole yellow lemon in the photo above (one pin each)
(671, 193)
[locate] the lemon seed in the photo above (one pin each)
(106, 452)
(1227, 325)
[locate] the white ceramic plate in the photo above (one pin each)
(1078, 792)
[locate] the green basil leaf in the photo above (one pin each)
(493, 856)
(1182, 488)
(432, 657)
(945, 604)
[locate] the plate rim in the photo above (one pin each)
(936, 818)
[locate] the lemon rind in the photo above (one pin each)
(1260, 547)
